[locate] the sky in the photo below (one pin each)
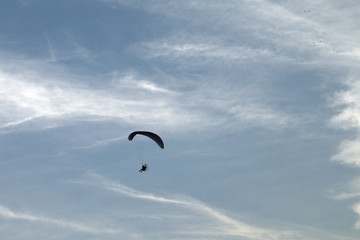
(257, 102)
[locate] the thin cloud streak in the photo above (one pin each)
(352, 191)
(344, 196)
(7, 213)
(63, 46)
(131, 80)
(19, 122)
(229, 226)
(117, 187)
(173, 50)
(101, 143)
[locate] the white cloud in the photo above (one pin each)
(348, 153)
(348, 118)
(351, 190)
(209, 222)
(261, 115)
(143, 101)
(347, 104)
(33, 95)
(225, 225)
(356, 209)
(344, 196)
(28, 97)
(131, 80)
(232, 31)
(7, 213)
(63, 46)
(101, 143)
(283, 23)
(206, 52)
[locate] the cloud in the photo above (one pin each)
(356, 209)
(63, 46)
(253, 19)
(348, 153)
(351, 190)
(344, 196)
(348, 118)
(229, 32)
(7, 213)
(42, 94)
(349, 103)
(222, 225)
(31, 96)
(191, 101)
(205, 52)
(101, 143)
(131, 80)
(209, 222)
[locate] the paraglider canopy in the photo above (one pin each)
(151, 135)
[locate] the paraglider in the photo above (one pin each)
(143, 168)
(150, 135)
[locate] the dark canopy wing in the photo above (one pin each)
(151, 135)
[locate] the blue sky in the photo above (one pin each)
(257, 103)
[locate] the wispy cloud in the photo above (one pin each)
(210, 222)
(356, 209)
(353, 192)
(131, 80)
(129, 97)
(205, 52)
(282, 31)
(344, 196)
(7, 213)
(63, 46)
(348, 153)
(348, 117)
(100, 143)
(350, 191)
(29, 96)
(224, 225)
